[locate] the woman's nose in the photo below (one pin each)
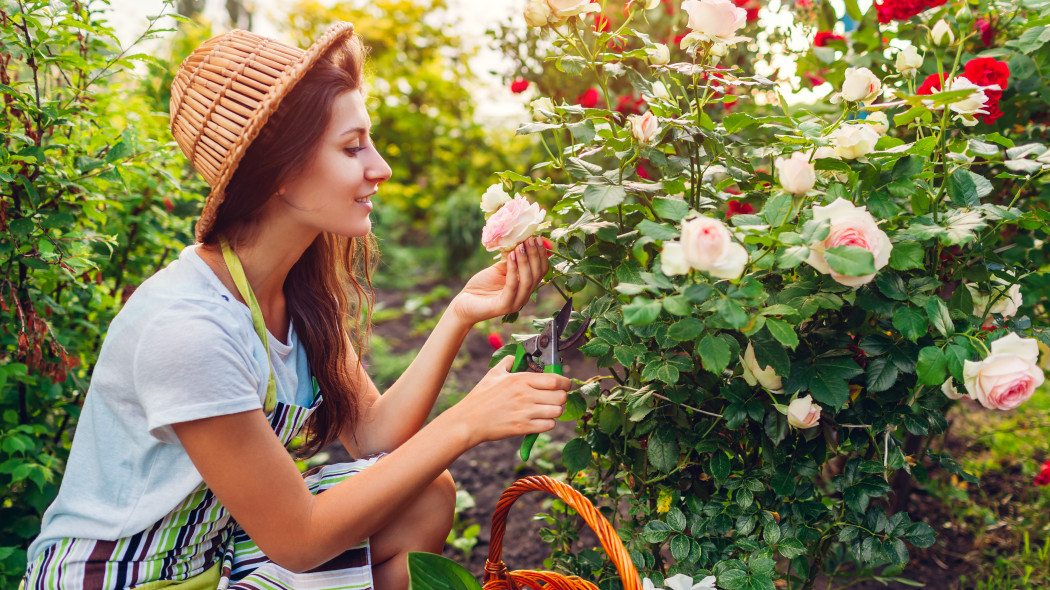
(378, 170)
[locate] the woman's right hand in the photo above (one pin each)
(504, 404)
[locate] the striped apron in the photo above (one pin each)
(199, 535)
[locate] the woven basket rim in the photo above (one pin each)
(288, 77)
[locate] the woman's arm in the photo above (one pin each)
(389, 420)
(251, 473)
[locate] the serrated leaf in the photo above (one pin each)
(852, 261)
(783, 332)
(939, 316)
(719, 465)
(576, 455)
(641, 312)
(429, 571)
(907, 255)
(714, 354)
(657, 231)
(599, 197)
(932, 366)
(881, 374)
(791, 548)
(662, 454)
(671, 208)
(911, 322)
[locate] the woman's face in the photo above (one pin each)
(333, 192)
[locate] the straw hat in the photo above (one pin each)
(224, 93)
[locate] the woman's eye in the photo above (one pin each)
(353, 151)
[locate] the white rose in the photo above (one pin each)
(803, 413)
(542, 109)
(756, 375)
(494, 198)
(708, 246)
(860, 86)
(685, 582)
(970, 105)
(908, 62)
(942, 34)
(651, 4)
(797, 174)
(516, 220)
(658, 54)
(854, 141)
(715, 20)
(537, 13)
(1008, 300)
(1008, 376)
(563, 9)
(660, 91)
(850, 226)
(879, 122)
(643, 127)
(948, 389)
(672, 259)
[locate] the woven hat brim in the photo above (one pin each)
(270, 102)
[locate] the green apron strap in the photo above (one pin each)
(237, 272)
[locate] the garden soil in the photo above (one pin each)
(487, 470)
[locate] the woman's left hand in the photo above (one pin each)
(504, 287)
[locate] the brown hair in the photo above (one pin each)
(318, 301)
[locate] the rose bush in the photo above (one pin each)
(855, 296)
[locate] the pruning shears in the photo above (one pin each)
(540, 354)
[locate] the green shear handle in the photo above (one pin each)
(520, 365)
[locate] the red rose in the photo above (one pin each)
(986, 71)
(933, 83)
(589, 99)
(1044, 475)
(518, 86)
(751, 6)
(993, 113)
(548, 246)
(495, 341)
(601, 23)
(822, 38)
(642, 172)
(987, 31)
(891, 10)
(630, 104)
(734, 207)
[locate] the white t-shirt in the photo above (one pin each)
(182, 348)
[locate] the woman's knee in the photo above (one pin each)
(442, 497)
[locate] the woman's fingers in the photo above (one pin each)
(510, 287)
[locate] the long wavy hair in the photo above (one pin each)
(319, 286)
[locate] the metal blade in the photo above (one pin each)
(571, 341)
(548, 344)
(562, 319)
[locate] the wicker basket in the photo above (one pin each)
(498, 578)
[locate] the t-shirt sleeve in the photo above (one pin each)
(193, 363)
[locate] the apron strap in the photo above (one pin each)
(237, 272)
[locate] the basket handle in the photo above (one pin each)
(494, 567)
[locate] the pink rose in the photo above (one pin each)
(803, 413)
(850, 226)
(715, 20)
(563, 9)
(708, 245)
(643, 127)
(511, 224)
(1008, 376)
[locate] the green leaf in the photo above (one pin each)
(932, 366)
(677, 305)
(777, 209)
(429, 571)
(671, 208)
(575, 406)
(921, 535)
(733, 579)
(576, 455)
(891, 285)
(663, 454)
(736, 121)
(719, 465)
(714, 354)
(675, 519)
(962, 189)
(1032, 39)
(732, 314)
(830, 390)
(681, 546)
(907, 168)
(685, 329)
(907, 255)
(852, 261)
(599, 197)
(783, 332)
(660, 370)
(791, 548)
(657, 231)
(655, 531)
(881, 374)
(771, 354)
(911, 322)
(641, 311)
(939, 316)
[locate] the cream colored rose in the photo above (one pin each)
(854, 140)
(850, 226)
(715, 20)
(948, 389)
(970, 105)
(672, 259)
(643, 127)
(879, 122)
(537, 13)
(756, 375)
(660, 91)
(658, 54)
(708, 245)
(1008, 300)
(651, 4)
(1008, 376)
(494, 198)
(516, 220)
(542, 109)
(563, 9)
(803, 413)
(941, 33)
(861, 85)
(908, 62)
(797, 174)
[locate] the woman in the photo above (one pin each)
(178, 476)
